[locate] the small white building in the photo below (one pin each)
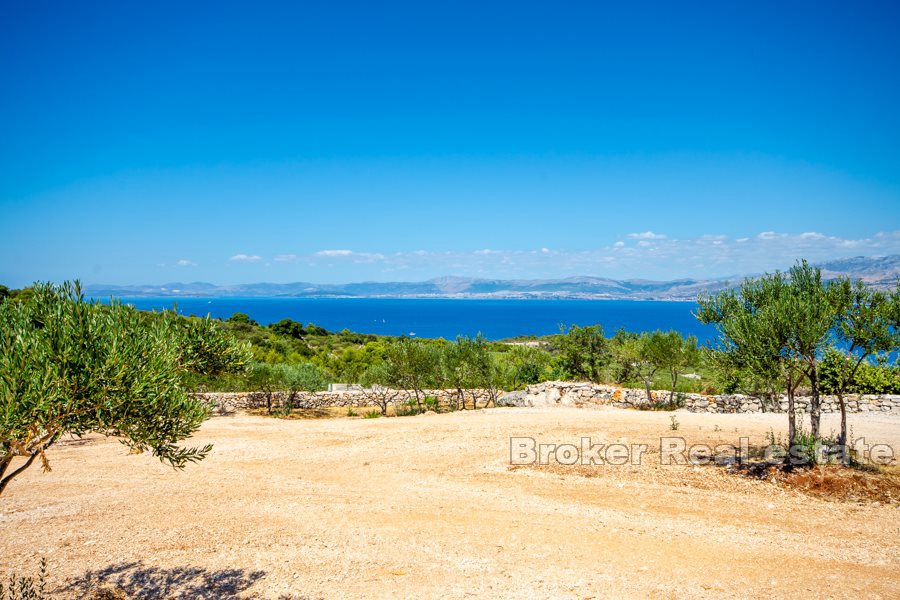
(344, 387)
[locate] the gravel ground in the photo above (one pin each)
(429, 506)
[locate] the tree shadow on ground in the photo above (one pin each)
(134, 580)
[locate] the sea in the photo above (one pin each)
(433, 318)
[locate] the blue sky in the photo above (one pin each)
(329, 142)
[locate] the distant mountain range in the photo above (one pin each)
(880, 272)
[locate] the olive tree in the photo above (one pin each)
(383, 380)
(810, 312)
(203, 347)
(458, 363)
(525, 365)
(583, 352)
(668, 351)
(643, 355)
(299, 378)
(754, 324)
(733, 376)
(72, 367)
(866, 326)
(486, 370)
(263, 380)
(417, 366)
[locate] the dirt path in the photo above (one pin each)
(428, 506)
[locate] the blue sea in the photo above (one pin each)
(431, 318)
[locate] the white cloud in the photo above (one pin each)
(245, 258)
(367, 257)
(650, 256)
(647, 235)
(185, 263)
(357, 257)
(654, 258)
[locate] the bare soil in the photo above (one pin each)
(429, 506)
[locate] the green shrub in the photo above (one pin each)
(876, 379)
(807, 448)
(284, 411)
(406, 409)
(869, 378)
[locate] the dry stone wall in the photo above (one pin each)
(568, 393)
(225, 402)
(551, 393)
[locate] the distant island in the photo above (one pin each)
(881, 272)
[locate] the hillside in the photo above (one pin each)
(878, 271)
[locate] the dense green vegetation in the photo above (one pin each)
(657, 359)
(15, 295)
